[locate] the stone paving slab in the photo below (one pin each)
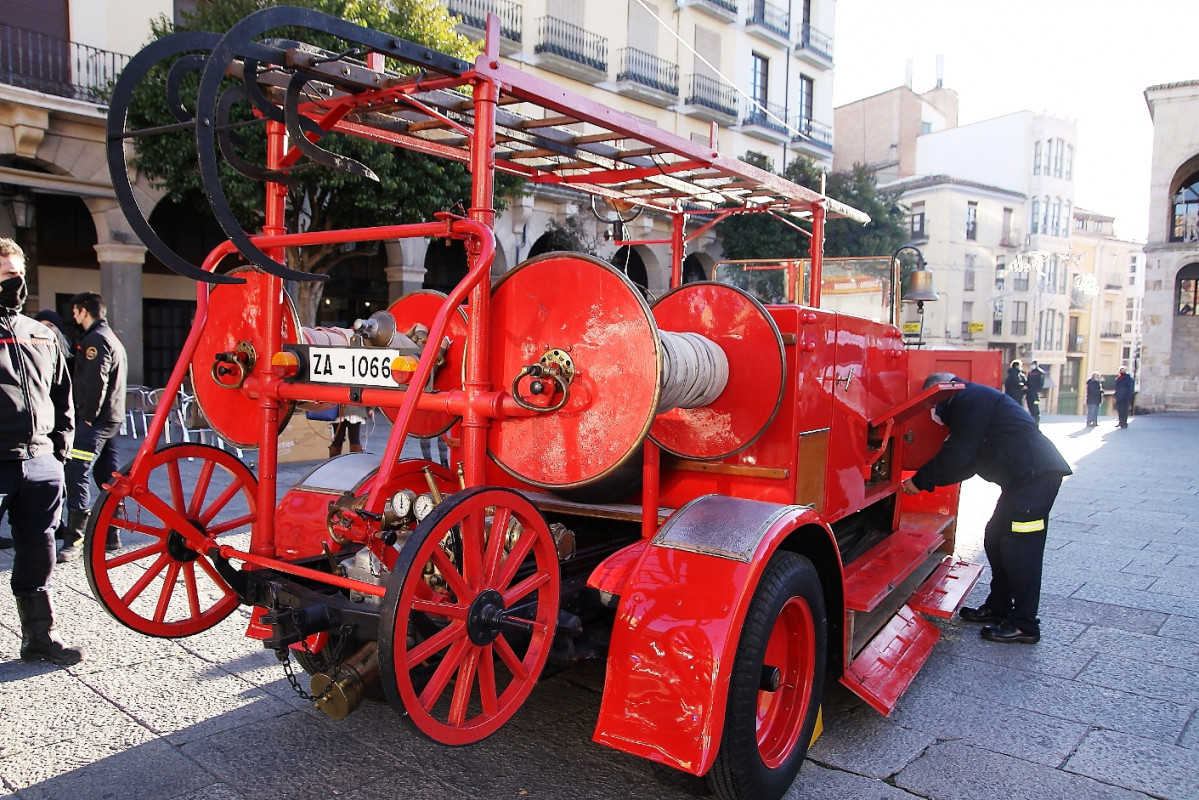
(958, 771)
(1130, 761)
(1017, 732)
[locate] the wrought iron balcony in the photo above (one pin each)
(767, 120)
(725, 10)
(474, 14)
(647, 70)
(771, 18)
(55, 66)
(817, 43)
(1076, 344)
(557, 37)
(713, 94)
(1111, 330)
(811, 132)
(727, 5)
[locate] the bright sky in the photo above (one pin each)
(1087, 60)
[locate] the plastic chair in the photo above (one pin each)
(136, 402)
(154, 406)
(192, 422)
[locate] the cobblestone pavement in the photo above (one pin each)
(1104, 707)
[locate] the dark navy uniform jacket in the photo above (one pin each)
(35, 391)
(990, 435)
(100, 369)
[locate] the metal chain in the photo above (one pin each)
(338, 655)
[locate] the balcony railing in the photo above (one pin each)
(1076, 344)
(712, 93)
(772, 121)
(814, 41)
(647, 69)
(814, 133)
(572, 42)
(55, 66)
(474, 13)
(727, 5)
(776, 19)
(1111, 330)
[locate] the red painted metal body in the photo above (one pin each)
(660, 526)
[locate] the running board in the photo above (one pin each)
(946, 589)
(887, 665)
(869, 579)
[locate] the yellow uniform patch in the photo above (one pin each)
(1031, 526)
(91, 353)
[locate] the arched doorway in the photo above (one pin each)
(445, 265)
(1184, 358)
(356, 289)
(629, 261)
(693, 269)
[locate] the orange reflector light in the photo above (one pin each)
(402, 368)
(285, 364)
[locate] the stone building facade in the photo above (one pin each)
(1169, 375)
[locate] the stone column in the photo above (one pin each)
(121, 288)
(405, 268)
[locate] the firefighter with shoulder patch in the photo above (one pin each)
(991, 435)
(101, 367)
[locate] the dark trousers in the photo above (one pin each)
(1034, 406)
(426, 450)
(1122, 412)
(93, 457)
(1015, 546)
(341, 428)
(31, 493)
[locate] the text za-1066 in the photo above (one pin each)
(351, 365)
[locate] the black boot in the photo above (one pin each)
(39, 641)
(72, 541)
(113, 540)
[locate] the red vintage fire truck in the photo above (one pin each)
(703, 490)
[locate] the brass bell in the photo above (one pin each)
(920, 286)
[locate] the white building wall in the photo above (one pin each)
(996, 152)
(122, 26)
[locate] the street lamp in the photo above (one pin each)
(22, 211)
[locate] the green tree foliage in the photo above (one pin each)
(412, 186)
(764, 236)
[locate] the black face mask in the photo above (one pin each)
(13, 292)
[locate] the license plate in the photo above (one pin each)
(352, 366)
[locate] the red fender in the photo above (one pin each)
(678, 625)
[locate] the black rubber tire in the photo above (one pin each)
(739, 772)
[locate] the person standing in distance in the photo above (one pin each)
(1034, 382)
(36, 430)
(101, 367)
(1013, 384)
(1094, 398)
(990, 435)
(1124, 392)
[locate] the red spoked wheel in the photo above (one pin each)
(469, 615)
(158, 583)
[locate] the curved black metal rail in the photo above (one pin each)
(122, 95)
(239, 43)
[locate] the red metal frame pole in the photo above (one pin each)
(482, 209)
(678, 227)
(262, 541)
(816, 248)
